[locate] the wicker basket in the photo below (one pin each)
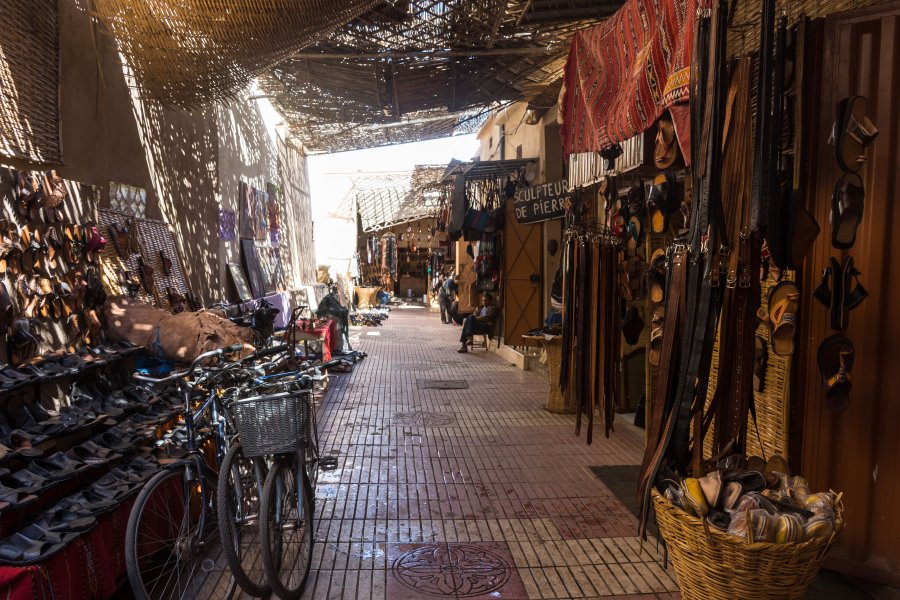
(274, 423)
(556, 402)
(711, 564)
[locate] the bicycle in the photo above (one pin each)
(280, 422)
(170, 525)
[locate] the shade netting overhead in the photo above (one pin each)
(191, 52)
(406, 68)
(387, 199)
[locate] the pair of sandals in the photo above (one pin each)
(852, 133)
(45, 297)
(33, 193)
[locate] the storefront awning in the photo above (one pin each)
(486, 169)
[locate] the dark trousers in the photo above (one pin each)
(472, 327)
(445, 303)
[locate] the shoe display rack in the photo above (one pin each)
(68, 477)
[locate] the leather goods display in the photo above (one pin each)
(592, 326)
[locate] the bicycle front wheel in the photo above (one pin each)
(170, 526)
(240, 489)
(286, 529)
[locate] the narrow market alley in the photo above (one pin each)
(471, 493)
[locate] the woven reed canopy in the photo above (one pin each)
(191, 52)
(407, 69)
(353, 73)
(387, 199)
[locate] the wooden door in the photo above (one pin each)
(857, 451)
(522, 277)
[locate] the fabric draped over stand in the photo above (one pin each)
(622, 74)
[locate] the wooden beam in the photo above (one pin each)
(527, 50)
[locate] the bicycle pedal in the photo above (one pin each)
(328, 463)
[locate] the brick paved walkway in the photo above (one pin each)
(468, 493)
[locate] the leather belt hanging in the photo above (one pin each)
(593, 370)
(568, 314)
(581, 290)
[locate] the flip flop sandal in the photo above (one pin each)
(835, 359)
(656, 335)
(784, 300)
(45, 295)
(634, 274)
(91, 453)
(847, 205)
(74, 244)
(48, 471)
(131, 227)
(633, 236)
(145, 272)
(26, 480)
(15, 498)
(760, 362)
(94, 244)
(33, 545)
(61, 520)
(660, 201)
(24, 343)
(127, 283)
(845, 296)
(119, 243)
(95, 295)
(55, 246)
(54, 188)
(853, 132)
(166, 263)
(656, 276)
(7, 311)
(89, 501)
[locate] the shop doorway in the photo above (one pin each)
(523, 276)
(856, 450)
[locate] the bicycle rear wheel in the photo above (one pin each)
(168, 530)
(238, 494)
(286, 528)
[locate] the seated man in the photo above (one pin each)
(481, 322)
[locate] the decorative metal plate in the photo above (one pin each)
(464, 570)
(422, 419)
(443, 384)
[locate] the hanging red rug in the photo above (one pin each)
(622, 74)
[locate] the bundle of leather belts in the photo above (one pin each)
(714, 269)
(591, 327)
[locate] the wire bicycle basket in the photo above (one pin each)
(273, 423)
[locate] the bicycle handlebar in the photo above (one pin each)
(190, 371)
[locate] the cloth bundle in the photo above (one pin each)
(182, 337)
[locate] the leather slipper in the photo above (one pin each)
(847, 205)
(656, 335)
(784, 300)
(660, 201)
(656, 276)
(835, 359)
(853, 132)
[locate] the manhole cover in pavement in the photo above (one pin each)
(428, 419)
(443, 384)
(464, 570)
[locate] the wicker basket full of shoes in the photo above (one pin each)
(737, 533)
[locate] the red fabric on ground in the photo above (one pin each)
(622, 74)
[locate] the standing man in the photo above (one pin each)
(447, 293)
(481, 322)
